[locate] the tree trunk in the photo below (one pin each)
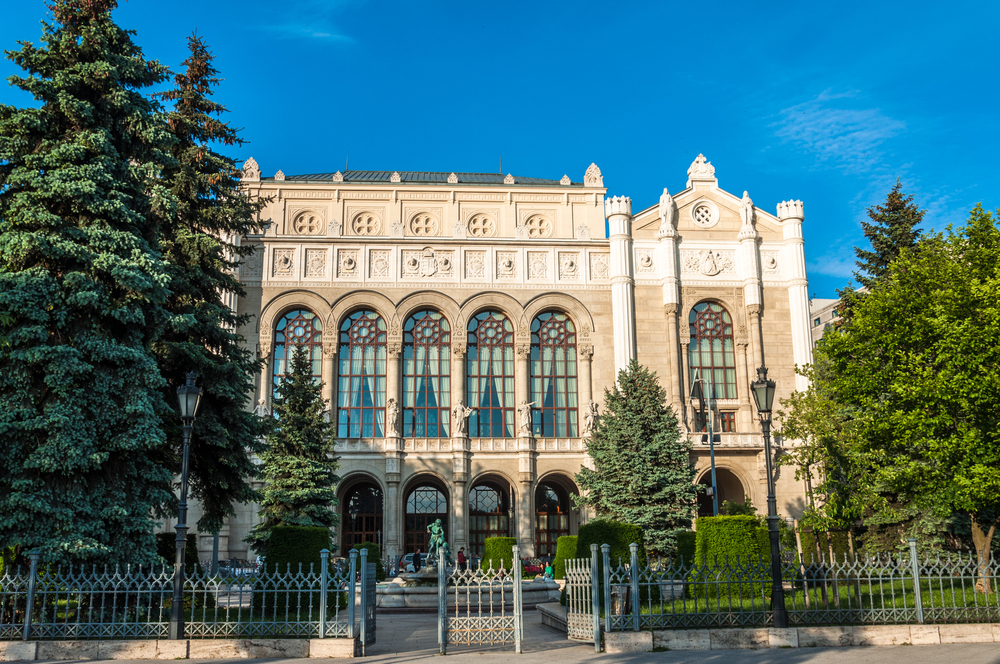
(982, 539)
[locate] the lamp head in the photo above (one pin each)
(763, 393)
(188, 399)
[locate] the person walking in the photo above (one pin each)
(462, 559)
(416, 560)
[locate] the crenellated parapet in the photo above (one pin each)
(790, 210)
(618, 205)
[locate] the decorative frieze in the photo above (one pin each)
(378, 263)
(708, 262)
(475, 264)
(316, 263)
(284, 263)
(569, 265)
(538, 265)
(427, 263)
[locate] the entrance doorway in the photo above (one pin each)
(551, 517)
(729, 486)
(362, 515)
(489, 515)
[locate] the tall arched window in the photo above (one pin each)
(553, 376)
(361, 387)
(711, 352)
(298, 328)
(551, 517)
(489, 515)
(490, 375)
(426, 375)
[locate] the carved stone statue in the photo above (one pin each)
(668, 212)
(708, 266)
(436, 544)
(392, 417)
(590, 418)
(524, 417)
(746, 210)
(460, 414)
(262, 410)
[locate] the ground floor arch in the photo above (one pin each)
(362, 513)
(490, 512)
(729, 486)
(426, 500)
(554, 512)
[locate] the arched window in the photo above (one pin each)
(362, 515)
(425, 504)
(426, 375)
(490, 376)
(489, 515)
(711, 352)
(553, 376)
(298, 328)
(361, 387)
(551, 517)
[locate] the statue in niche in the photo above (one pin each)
(460, 414)
(524, 417)
(746, 210)
(392, 417)
(590, 418)
(262, 410)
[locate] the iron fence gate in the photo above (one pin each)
(486, 605)
(583, 615)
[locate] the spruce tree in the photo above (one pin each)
(642, 467)
(201, 247)
(298, 463)
(80, 274)
(894, 228)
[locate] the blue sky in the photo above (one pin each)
(825, 102)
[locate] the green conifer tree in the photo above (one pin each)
(642, 466)
(298, 463)
(894, 228)
(80, 274)
(202, 249)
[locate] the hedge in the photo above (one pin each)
(618, 536)
(686, 540)
(565, 550)
(374, 556)
(499, 552)
(734, 541)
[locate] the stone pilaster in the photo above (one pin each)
(585, 390)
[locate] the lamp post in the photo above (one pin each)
(708, 416)
(763, 396)
(188, 398)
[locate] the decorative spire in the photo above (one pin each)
(338, 177)
(592, 178)
(565, 180)
(452, 179)
(395, 177)
(251, 171)
(509, 179)
(279, 176)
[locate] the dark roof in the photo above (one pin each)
(421, 177)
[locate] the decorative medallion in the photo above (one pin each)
(427, 263)
(708, 262)
(538, 267)
(644, 260)
(537, 226)
(252, 265)
(506, 265)
(423, 224)
(307, 222)
(482, 225)
(347, 265)
(284, 261)
(366, 223)
(316, 263)
(769, 261)
(475, 264)
(379, 263)
(569, 265)
(599, 266)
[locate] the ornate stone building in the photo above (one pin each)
(463, 323)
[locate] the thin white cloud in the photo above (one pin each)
(834, 133)
(311, 19)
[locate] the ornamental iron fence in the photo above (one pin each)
(56, 602)
(485, 607)
(901, 588)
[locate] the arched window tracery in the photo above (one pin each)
(490, 375)
(553, 376)
(362, 376)
(712, 353)
(299, 327)
(426, 375)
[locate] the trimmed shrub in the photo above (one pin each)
(686, 540)
(736, 541)
(565, 550)
(374, 556)
(499, 551)
(618, 536)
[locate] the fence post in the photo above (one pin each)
(351, 631)
(324, 581)
(30, 607)
(364, 598)
(634, 575)
(518, 617)
(443, 600)
(595, 603)
(915, 567)
(606, 558)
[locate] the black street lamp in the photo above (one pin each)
(763, 397)
(188, 398)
